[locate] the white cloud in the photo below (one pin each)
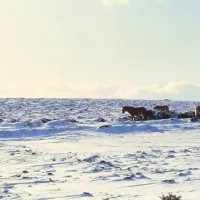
(84, 90)
(172, 90)
(112, 2)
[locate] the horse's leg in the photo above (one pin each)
(132, 116)
(144, 116)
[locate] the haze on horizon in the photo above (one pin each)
(145, 49)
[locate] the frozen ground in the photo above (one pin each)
(88, 149)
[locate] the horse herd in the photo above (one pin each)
(148, 114)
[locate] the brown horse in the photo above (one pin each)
(161, 108)
(197, 111)
(139, 111)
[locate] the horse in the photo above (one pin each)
(197, 111)
(139, 111)
(161, 108)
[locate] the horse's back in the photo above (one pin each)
(140, 109)
(163, 108)
(134, 109)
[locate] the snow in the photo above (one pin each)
(88, 149)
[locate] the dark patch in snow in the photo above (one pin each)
(170, 181)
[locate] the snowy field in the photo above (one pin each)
(88, 149)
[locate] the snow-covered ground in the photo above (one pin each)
(88, 149)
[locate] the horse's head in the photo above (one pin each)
(123, 109)
(127, 108)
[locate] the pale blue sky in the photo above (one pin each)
(86, 48)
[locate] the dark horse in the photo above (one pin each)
(197, 111)
(138, 111)
(161, 108)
